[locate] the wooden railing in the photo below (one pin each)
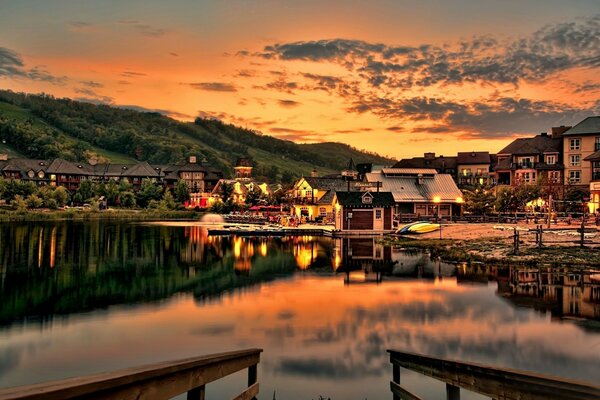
(497, 383)
(156, 381)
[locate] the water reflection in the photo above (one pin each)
(151, 293)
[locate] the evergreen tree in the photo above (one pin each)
(182, 192)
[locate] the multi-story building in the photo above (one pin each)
(473, 168)
(581, 144)
(443, 165)
(527, 160)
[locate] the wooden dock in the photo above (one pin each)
(494, 382)
(151, 382)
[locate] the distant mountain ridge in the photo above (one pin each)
(41, 126)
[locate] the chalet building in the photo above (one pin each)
(67, 174)
(25, 169)
(363, 211)
(581, 151)
(526, 160)
(423, 192)
(313, 197)
(473, 168)
(242, 184)
(132, 173)
(201, 179)
(443, 165)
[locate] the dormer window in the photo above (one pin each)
(31, 173)
(367, 198)
(41, 174)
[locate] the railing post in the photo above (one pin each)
(252, 376)
(396, 377)
(452, 392)
(197, 393)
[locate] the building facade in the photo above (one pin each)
(363, 211)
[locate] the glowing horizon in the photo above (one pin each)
(397, 78)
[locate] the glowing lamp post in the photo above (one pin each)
(437, 200)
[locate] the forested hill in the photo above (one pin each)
(43, 127)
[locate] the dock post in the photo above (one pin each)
(396, 378)
(197, 393)
(582, 237)
(452, 392)
(252, 376)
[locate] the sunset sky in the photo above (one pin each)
(395, 77)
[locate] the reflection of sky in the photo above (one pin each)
(320, 337)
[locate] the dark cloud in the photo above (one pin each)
(212, 330)
(132, 74)
(483, 118)
(92, 84)
(144, 29)
(288, 103)
(552, 49)
(174, 54)
(214, 86)
(78, 25)
(246, 73)
(12, 66)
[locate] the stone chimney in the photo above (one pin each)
(429, 156)
(314, 173)
(192, 159)
(557, 131)
(544, 134)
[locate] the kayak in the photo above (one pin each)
(418, 228)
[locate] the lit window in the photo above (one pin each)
(377, 214)
(551, 160)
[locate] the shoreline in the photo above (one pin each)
(88, 215)
(483, 243)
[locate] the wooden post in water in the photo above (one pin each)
(197, 394)
(396, 378)
(582, 236)
(252, 376)
(452, 392)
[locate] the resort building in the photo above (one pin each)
(363, 211)
(200, 178)
(473, 168)
(312, 197)
(526, 160)
(443, 165)
(242, 185)
(423, 192)
(582, 153)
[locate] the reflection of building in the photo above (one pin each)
(562, 292)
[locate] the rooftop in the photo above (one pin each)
(590, 125)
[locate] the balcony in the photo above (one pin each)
(523, 165)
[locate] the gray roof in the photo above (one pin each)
(60, 166)
(590, 125)
(473, 157)
(24, 165)
(408, 189)
(355, 199)
(327, 183)
(539, 144)
(440, 163)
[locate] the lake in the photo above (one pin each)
(85, 297)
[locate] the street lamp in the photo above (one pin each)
(437, 200)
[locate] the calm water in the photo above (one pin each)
(79, 298)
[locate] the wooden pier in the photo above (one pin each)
(497, 383)
(156, 381)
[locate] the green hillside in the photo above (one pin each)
(40, 126)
